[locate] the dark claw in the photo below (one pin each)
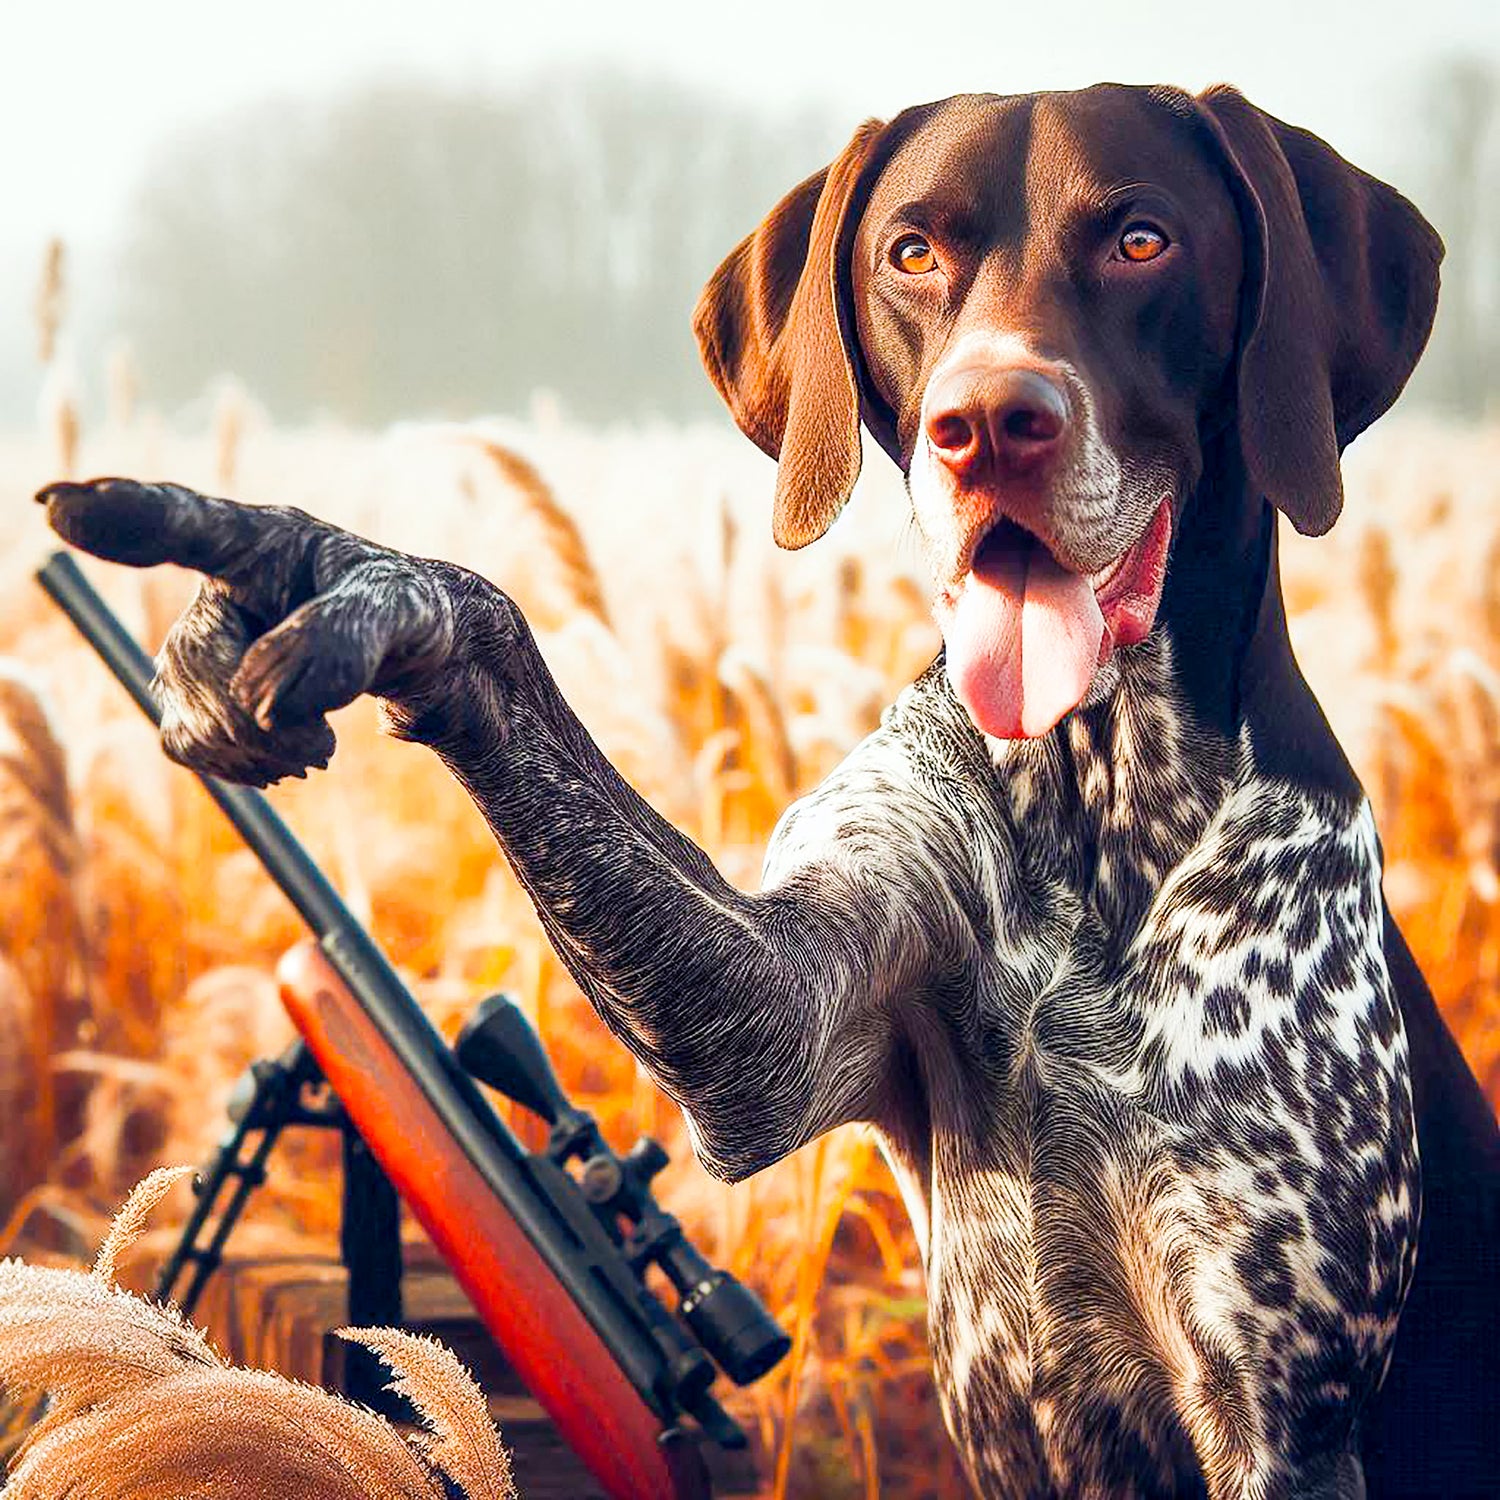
(117, 519)
(125, 521)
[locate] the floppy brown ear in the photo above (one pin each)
(1341, 277)
(772, 328)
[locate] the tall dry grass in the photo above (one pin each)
(723, 678)
(141, 1406)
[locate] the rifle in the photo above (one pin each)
(554, 1263)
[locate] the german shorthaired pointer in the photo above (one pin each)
(1091, 928)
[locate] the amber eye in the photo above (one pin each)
(912, 254)
(1142, 242)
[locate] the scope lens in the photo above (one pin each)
(731, 1322)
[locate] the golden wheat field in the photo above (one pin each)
(138, 938)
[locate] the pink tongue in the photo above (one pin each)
(1023, 643)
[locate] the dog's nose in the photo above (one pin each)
(1012, 418)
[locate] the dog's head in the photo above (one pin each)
(1044, 307)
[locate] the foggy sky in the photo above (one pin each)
(88, 87)
(91, 90)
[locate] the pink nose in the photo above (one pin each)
(1008, 418)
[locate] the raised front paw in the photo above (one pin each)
(294, 619)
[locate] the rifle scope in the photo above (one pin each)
(499, 1047)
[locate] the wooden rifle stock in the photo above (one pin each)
(534, 1320)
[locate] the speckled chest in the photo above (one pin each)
(1171, 1186)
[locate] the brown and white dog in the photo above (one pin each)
(1091, 929)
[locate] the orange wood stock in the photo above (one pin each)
(532, 1317)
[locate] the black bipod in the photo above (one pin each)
(272, 1094)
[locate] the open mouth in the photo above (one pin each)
(1026, 636)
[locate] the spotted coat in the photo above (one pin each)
(1161, 1154)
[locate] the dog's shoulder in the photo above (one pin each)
(920, 789)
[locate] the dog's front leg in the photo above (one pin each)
(765, 1016)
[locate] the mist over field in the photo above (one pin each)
(412, 247)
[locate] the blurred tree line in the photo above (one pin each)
(412, 249)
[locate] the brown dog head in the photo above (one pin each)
(1042, 307)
